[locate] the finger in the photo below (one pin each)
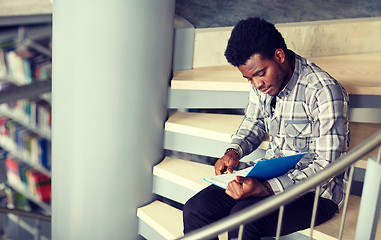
(216, 170)
(228, 192)
(239, 179)
(231, 166)
(219, 169)
(234, 190)
(221, 165)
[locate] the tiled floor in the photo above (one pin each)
(221, 13)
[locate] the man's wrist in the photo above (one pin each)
(268, 188)
(232, 150)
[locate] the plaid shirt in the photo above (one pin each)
(311, 115)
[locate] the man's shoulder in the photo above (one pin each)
(308, 67)
(313, 76)
(315, 80)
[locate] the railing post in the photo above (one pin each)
(345, 207)
(370, 201)
(280, 221)
(240, 232)
(314, 209)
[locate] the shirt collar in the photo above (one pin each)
(294, 78)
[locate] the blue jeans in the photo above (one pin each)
(212, 204)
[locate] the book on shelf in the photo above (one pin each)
(24, 64)
(44, 148)
(263, 169)
(34, 113)
(13, 169)
(28, 180)
(18, 67)
(39, 184)
(25, 144)
(16, 200)
(42, 114)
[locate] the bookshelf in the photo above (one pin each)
(25, 109)
(29, 25)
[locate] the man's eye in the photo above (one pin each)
(261, 74)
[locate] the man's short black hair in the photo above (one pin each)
(251, 36)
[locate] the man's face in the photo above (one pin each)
(268, 76)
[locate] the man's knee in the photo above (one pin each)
(194, 206)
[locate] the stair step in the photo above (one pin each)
(187, 173)
(345, 69)
(219, 127)
(204, 134)
(332, 227)
(216, 78)
(152, 224)
(165, 221)
(178, 179)
(170, 227)
(359, 133)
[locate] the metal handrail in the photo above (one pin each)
(21, 213)
(274, 202)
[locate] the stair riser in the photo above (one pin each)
(148, 232)
(365, 115)
(364, 108)
(172, 190)
(201, 146)
(195, 145)
(207, 99)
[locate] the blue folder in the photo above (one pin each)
(262, 170)
(274, 167)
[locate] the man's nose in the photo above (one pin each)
(257, 83)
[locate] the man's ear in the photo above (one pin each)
(279, 55)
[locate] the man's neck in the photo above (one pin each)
(290, 59)
(290, 67)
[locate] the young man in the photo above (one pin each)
(302, 109)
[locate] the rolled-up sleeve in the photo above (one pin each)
(252, 129)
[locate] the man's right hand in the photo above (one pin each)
(227, 163)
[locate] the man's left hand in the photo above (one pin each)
(243, 187)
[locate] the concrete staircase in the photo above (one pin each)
(212, 84)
